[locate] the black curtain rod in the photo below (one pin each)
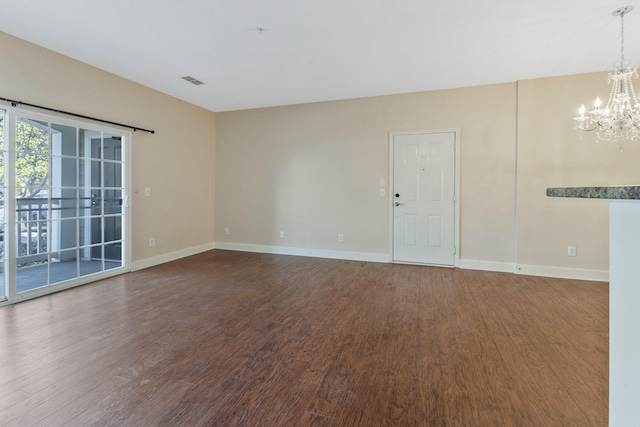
(15, 103)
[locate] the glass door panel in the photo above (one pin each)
(32, 169)
(3, 294)
(101, 184)
(68, 203)
(63, 188)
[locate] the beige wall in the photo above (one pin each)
(551, 154)
(177, 162)
(313, 170)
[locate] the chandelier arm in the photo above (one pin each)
(622, 40)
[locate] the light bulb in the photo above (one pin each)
(598, 103)
(582, 110)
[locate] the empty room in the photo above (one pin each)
(338, 213)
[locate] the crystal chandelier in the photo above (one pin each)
(620, 118)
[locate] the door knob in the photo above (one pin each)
(397, 195)
(397, 203)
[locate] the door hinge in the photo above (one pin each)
(454, 199)
(455, 250)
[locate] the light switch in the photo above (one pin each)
(383, 192)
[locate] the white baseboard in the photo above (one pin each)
(536, 270)
(171, 256)
(315, 253)
(563, 273)
(472, 264)
(467, 264)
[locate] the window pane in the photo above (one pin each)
(112, 228)
(63, 266)
(112, 202)
(91, 261)
(89, 143)
(32, 157)
(32, 208)
(31, 275)
(112, 174)
(64, 171)
(91, 231)
(2, 129)
(113, 255)
(64, 234)
(90, 202)
(89, 173)
(31, 238)
(96, 144)
(96, 202)
(2, 172)
(63, 140)
(112, 147)
(64, 203)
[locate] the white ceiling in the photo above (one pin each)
(318, 50)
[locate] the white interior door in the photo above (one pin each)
(424, 198)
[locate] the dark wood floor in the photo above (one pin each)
(236, 339)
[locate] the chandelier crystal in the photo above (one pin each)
(620, 117)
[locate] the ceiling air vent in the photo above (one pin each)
(192, 80)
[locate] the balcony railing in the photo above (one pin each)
(31, 228)
(38, 225)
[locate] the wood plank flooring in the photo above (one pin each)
(237, 339)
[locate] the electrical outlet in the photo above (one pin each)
(147, 191)
(571, 251)
(227, 231)
(340, 237)
(152, 242)
(282, 234)
(383, 192)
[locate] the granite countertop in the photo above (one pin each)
(611, 192)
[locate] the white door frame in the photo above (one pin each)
(10, 268)
(456, 133)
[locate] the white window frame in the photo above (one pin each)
(10, 270)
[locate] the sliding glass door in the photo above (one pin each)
(65, 188)
(3, 121)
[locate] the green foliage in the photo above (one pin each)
(32, 159)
